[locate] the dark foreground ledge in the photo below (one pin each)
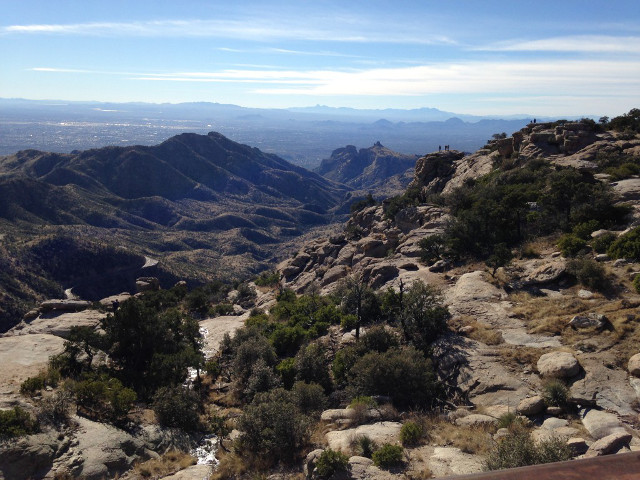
(624, 466)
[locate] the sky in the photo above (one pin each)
(484, 57)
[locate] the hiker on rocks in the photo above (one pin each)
(439, 148)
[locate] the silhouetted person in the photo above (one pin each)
(439, 148)
(115, 304)
(534, 120)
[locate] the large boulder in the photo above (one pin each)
(609, 444)
(381, 433)
(531, 406)
(634, 365)
(601, 424)
(558, 365)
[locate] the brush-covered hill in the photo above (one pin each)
(376, 168)
(202, 205)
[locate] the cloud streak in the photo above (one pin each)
(575, 43)
(257, 29)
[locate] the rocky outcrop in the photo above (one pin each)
(373, 247)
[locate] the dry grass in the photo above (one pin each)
(475, 440)
(548, 315)
(519, 356)
(476, 330)
(171, 462)
(231, 465)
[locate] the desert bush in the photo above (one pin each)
(626, 246)
(262, 379)
(222, 309)
(212, 368)
(177, 407)
(268, 279)
(570, 245)
(405, 375)
(287, 371)
(378, 339)
(602, 243)
(104, 396)
(555, 393)
(16, 423)
(273, 428)
(388, 456)
(583, 230)
(636, 283)
(506, 420)
(364, 446)
(589, 273)
(518, 449)
(287, 339)
(343, 362)
(32, 385)
(311, 366)
(423, 317)
(330, 462)
(309, 398)
(55, 408)
(411, 433)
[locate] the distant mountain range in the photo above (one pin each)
(303, 136)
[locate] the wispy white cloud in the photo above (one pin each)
(247, 29)
(509, 78)
(574, 43)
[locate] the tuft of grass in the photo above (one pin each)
(171, 462)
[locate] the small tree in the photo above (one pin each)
(423, 317)
(500, 257)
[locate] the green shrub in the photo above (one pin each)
(602, 243)
(104, 396)
(423, 317)
(388, 456)
(589, 273)
(363, 401)
(348, 322)
(583, 230)
(262, 379)
(570, 245)
(507, 419)
(378, 339)
(309, 397)
(177, 407)
(518, 449)
(342, 363)
(311, 366)
(287, 340)
(411, 433)
(287, 371)
(212, 368)
(16, 423)
(626, 246)
(555, 393)
(32, 385)
(222, 309)
(330, 462)
(273, 428)
(405, 375)
(365, 446)
(636, 283)
(268, 279)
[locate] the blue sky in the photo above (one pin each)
(482, 57)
